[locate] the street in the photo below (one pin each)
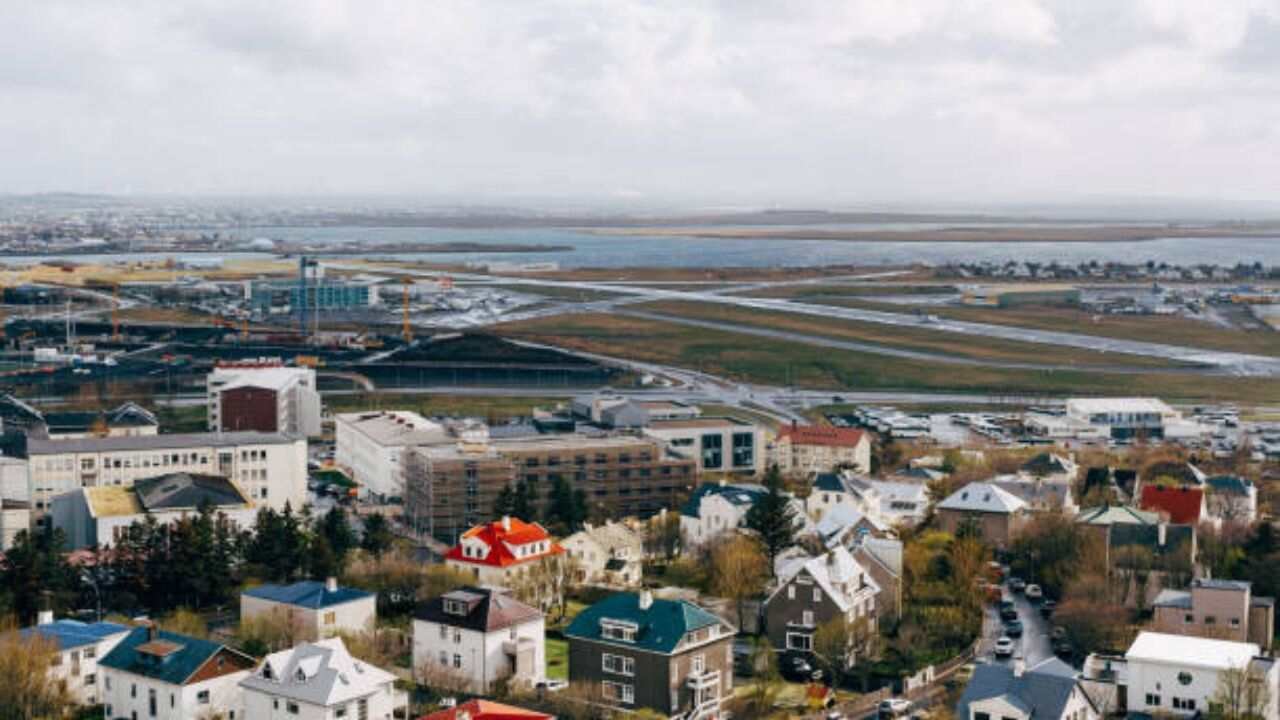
(1035, 644)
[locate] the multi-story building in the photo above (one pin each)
(77, 647)
(472, 638)
(1124, 418)
(501, 552)
(313, 610)
(814, 591)
(369, 446)
(1220, 609)
(820, 448)
(636, 651)
(264, 397)
(450, 487)
(15, 517)
(718, 444)
(270, 469)
(100, 516)
(154, 673)
(276, 297)
(320, 681)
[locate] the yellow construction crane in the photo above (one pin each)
(406, 330)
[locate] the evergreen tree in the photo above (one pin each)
(505, 503)
(773, 518)
(35, 567)
(337, 531)
(559, 510)
(377, 537)
(522, 505)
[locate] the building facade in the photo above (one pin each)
(315, 610)
(1217, 609)
(474, 637)
(820, 448)
(77, 648)
(502, 553)
(815, 591)
(320, 681)
(717, 444)
(263, 397)
(158, 674)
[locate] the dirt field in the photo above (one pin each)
(80, 275)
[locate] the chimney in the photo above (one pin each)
(331, 584)
(44, 617)
(1019, 666)
(152, 631)
(506, 523)
(646, 599)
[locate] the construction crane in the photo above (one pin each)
(115, 312)
(406, 331)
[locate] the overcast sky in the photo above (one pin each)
(813, 103)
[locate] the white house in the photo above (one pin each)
(1049, 690)
(715, 508)
(368, 445)
(315, 609)
(474, 637)
(609, 554)
(500, 552)
(885, 502)
(78, 647)
(157, 674)
(1179, 674)
(320, 681)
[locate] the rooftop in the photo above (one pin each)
(982, 497)
(486, 710)
(1116, 514)
(499, 536)
(395, 427)
(735, 493)
(175, 441)
(1090, 406)
(659, 628)
(1190, 650)
(183, 657)
(1042, 691)
(310, 594)
(698, 423)
(486, 610)
(827, 435)
(272, 377)
(69, 634)
(321, 673)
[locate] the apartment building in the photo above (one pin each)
(369, 446)
(263, 397)
(1220, 609)
(271, 469)
(718, 444)
(449, 488)
(638, 651)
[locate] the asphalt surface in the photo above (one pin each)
(1033, 647)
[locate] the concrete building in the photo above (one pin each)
(369, 446)
(1218, 609)
(820, 448)
(814, 591)
(315, 610)
(994, 513)
(101, 516)
(718, 444)
(270, 469)
(264, 397)
(320, 681)
(1049, 690)
(77, 648)
(1125, 418)
(636, 651)
(154, 673)
(499, 553)
(610, 554)
(474, 637)
(273, 297)
(14, 483)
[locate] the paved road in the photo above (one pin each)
(1033, 647)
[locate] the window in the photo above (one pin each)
(444, 657)
(618, 630)
(791, 592)
(619, 692)
(1153, 700)
(1185, 678)
(455, 607)
(1184, 704)
(1188, 618)
(457, 660)
(807, 618)
(817, 594)
(444, 632)
(151, 702)
(744, 450)
(981, 716)
(330, 618)
(799, 641)
(618, 664)
(699, 664)
(90, 652)
(457, 636)
(341, 712)
(1210, 620)
(1235, 622)
(291, 707)
(712, 452)
(202, 697)
(89, 679)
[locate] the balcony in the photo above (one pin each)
(704, 679)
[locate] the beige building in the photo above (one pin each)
(994, 513)
(609, 554)
(1217, 609)
(316, 610)
(820, 448)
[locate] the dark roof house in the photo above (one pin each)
(473, 608)
(1042, 692)
(172, 658)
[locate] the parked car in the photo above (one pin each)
(1008, 611)
(1013, 628)
(797, 668)
(1017, 584)
(1047, 608)
(894, 707)
(1034, 593)
(1004, 647)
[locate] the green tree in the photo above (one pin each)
(505, 503)
(336, 531)
(35, 568)
(377, 537)
(773, 518)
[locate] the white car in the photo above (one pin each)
(893, 707)
(1004, 647)
(1034, 593)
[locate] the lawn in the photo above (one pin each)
(557, 659)
(748, 358)
(917, 339)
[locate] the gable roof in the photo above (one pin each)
(498, 536)
(660, 627)
(740, 494)
(487, 610)
(1116, 514)
(69, 634)
(487, 710)
(1041, 691)
(187, 490)
(321, 673)
(830, 571)
(840, 520)
(1048, 464)
(982, 497)
(826, 435)
(1182, 504)
(182, 655)
(309, 594)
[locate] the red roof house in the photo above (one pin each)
(501, 544)
(486, 710)
(827, 435)
(1182, 504)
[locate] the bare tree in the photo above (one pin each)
(1242, 693)
(28, 689)
(840, 642)
(739, 570)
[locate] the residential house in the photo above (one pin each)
(1180, 504)
(820, 448)
(994, 513)
(503, 552)
(474, 637)
(609, 554)
(1140, 544)
(77, 647)
(1220, 609)
(1231, 499)
(101, 516)
(486, 710)
(320, 681)
(153, 673)
(844, 525)
(830, 489)
(638, 651)
(315, 610)
(715, 508)
(1179, 675)
(1048, 690)
(903, 502)
(814, 591)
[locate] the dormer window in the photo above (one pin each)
(455, 607)
(618, 630)
(300, 676)
(266, 672)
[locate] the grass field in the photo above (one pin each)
(754, 359)
(557, 652)
(1170, 330)
(905, 338)
(495, 408)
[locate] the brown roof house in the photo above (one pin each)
(470, 638)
